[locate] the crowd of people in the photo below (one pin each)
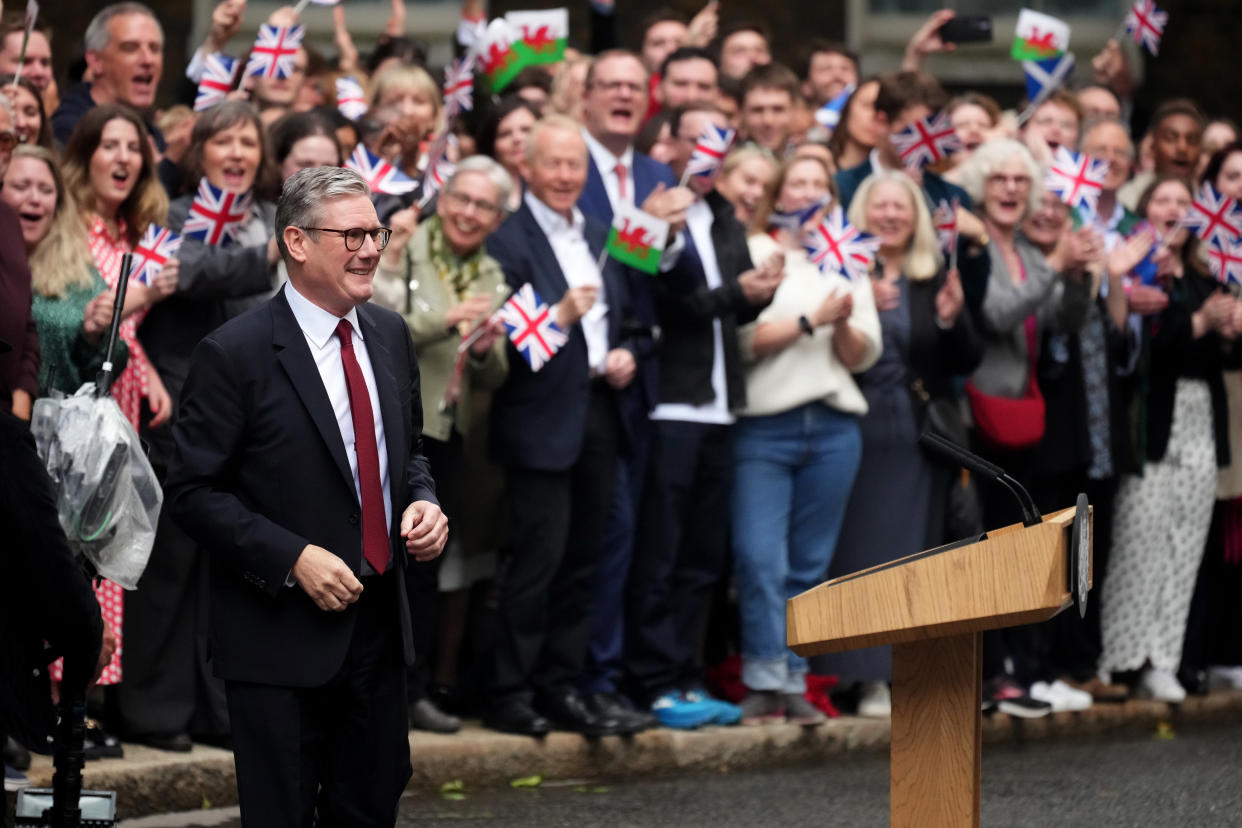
(628, 518)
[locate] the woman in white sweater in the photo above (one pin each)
(797, 441)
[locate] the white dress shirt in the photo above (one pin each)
(699, 223)
(573, 254)
(319, 327)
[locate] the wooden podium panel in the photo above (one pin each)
(1018, 575)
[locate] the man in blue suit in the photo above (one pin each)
(557, 431)
(612, 112)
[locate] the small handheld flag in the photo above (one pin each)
(1043, 77)
(542, 35)
(1215, 218)
(531, 328)
(945, 219)
(1226, 262)
(637, 239)
(1039, 36)
(439, 168)
(216, 82)
(382, 176)
(498, 59)
(709, 152)
(829, 114)
(216, 216)
(459, 86)
(275, 51)
(927, 141)
(792, 220)
(835, 245)
(1076, 178)
(351, 101)
(1145, 23)
(157, 246)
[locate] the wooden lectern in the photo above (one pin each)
(932, 608)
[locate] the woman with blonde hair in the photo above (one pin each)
(109, 170)
(406, 103)
(928, 338)
(746, 173)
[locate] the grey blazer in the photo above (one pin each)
(1058, 304)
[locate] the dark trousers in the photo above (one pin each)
(607, 644)
(557, 528)
(341, 749)
(167, 685)
(446, 460)
(680, 554)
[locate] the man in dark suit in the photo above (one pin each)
(557, 431)
(682, 546)
(297, 465)
(612, 110)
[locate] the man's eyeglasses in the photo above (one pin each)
(355, 236)
(461, 201)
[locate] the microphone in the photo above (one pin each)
(986, 470)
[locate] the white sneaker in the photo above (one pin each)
(1061, 696)
(1161, 685)
(875, 701)
(1225, 678)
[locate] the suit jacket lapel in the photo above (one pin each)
(542, 256)
(295, 356)
(390, 407)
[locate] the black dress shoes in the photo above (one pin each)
(172, 742)
(515, 716)
(568, 711)
(629, 721)
(424, 715)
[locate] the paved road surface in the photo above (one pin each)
(1192, 779)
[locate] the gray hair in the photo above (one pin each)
(305, 192)
(1105, 120)
(490, 167)
(97, 34)
(553, 123)
(989, 158)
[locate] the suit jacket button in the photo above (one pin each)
(353, 519)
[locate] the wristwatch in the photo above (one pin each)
(805, 325)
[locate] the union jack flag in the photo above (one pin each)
(215, 215)
(1226, 262)
(382, 176)
(1215, 218)
(837, 245)
(532, 330)
(158, 245)
(350, 99)
(439, 167)
(710, 151)
(927, 141)
(216, 82)
(1145, 21)
(792, 220)
(275, 51)
(459, 86)
(1076, 178)
(945, 219)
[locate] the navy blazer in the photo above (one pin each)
(648, 173)
(539, 418)
(259, 471)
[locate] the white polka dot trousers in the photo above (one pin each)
(1160, 527)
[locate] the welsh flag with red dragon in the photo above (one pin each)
(637, 239)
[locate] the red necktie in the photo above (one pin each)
(374, 522)
(620, 171)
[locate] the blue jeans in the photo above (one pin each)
(794, 473)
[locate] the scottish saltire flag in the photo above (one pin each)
(927, 141)
(829, 115)
(498, 60)
(351, 101)
(1215, 218)
(710, 151)
(216, 216)
(1145, 23)
(1039, 36)
(459, 86)
(637, 239)
(274, 51)
(217, 80)
(792, 220)
(835, 245)
(1076, 178)
(542, 35)
(531, 328)
(157, 246)
(382, 176)
(1043, 77)
(945, 219)
(1226, 262)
